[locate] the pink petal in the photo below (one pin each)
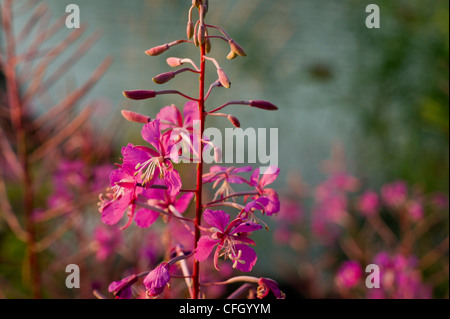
(173, 182)
(254, 179)
(248, 256)
(133, 156)
(117, 175)
(204, 247)
(270, 176)
(217, 218)
(151, 133)
(243, 169)
(246, 228)
(236, 180)
(145, 217)
(190, 113)
(113, 213)
(171, 114)
(183, 202)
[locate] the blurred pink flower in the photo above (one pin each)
(349, 274)
(291, 211)
(395, 194)
(400, 278)
(108, 239)
(369, 203)
(440, 201)
(415, 210)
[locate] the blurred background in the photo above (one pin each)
(368, 103)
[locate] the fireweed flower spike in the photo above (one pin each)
(231, 240)
(145, 168)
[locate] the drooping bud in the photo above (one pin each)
(263, 105)
(139, 94)
(201, 35)
(135, 117)
(174, 62)
(164, 77)
(232, 55)
(207, 46)
(196, 43)
(208, 42)
(236, 48)
(158, 50)
(194, 3)
(223, 78)
(190, 30)
(234, 121)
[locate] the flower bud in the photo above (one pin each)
(157, 50)
(201, 35)
(135, 117)
(223, 78)
(207, 46)
(236, 48)
(174, 62)
(196, 40)
(190, 29)
(232, 55)
(164, 77)
(234, 121)
(139, 94)
(263, 105)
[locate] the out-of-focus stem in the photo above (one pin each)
(17, 121)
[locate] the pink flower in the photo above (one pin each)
(163, 200)
(349, 274)
(122, 288)
(157, 280)
(369, 203)
(171, 117)
(395, 194)
(153, 163)
(226, 176)
(265, 285)
(273, 205)
(230, 240)
(121, 195)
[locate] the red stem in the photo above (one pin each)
(198, 193)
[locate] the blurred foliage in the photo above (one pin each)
(401, 94)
